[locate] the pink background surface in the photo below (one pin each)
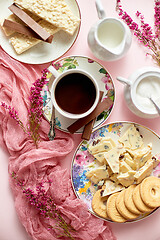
(147, 229)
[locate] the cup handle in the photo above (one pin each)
(124, 80)
(100, 9)
(53, 71)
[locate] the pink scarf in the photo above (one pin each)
(37, 165)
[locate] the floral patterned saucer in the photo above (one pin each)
(83, 161)
(97, 71)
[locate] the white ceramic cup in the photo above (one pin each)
(58, 77)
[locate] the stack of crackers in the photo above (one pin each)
(34, 21)
(134, 201)
(129, 204)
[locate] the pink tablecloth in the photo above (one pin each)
(135, 58)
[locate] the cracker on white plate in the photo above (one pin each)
(56, 12)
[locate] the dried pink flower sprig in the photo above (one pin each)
(144, 32)
(46, 207)
(157, 18)
(14, 114)
(35, 111)
(36, 106)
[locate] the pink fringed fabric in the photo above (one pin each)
(37, 165)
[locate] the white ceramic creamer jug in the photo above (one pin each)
(110, 38)
(140, 86)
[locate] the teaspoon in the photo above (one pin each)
(155, 104)
(52, 134)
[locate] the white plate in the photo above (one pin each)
(82, 160)
(103, 78)
(42, 52)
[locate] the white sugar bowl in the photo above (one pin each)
(140, 86)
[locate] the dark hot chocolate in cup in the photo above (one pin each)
(74, 93)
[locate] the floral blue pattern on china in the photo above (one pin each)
(94, 68)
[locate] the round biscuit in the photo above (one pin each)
(138, 200)
(112, 211)
(150, 191)
(98, 205)
(122, 209)
(128, 200)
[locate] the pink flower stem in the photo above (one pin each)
(145, 33)
(46, 206)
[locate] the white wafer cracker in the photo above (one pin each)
(56, 12)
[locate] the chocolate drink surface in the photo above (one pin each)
(75, 93)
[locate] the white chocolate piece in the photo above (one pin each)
(130, 161)
(103, 145)
(141, 156)
(97, 174)
(131, 138)
(112, 158)
(111, 187)
(126, 179)
(146, 170)
(100, 157)
(124, 167)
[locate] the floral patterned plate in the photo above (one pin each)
(83, 161)
(104, 80)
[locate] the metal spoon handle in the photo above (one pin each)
(156, 105)
(52, 134)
